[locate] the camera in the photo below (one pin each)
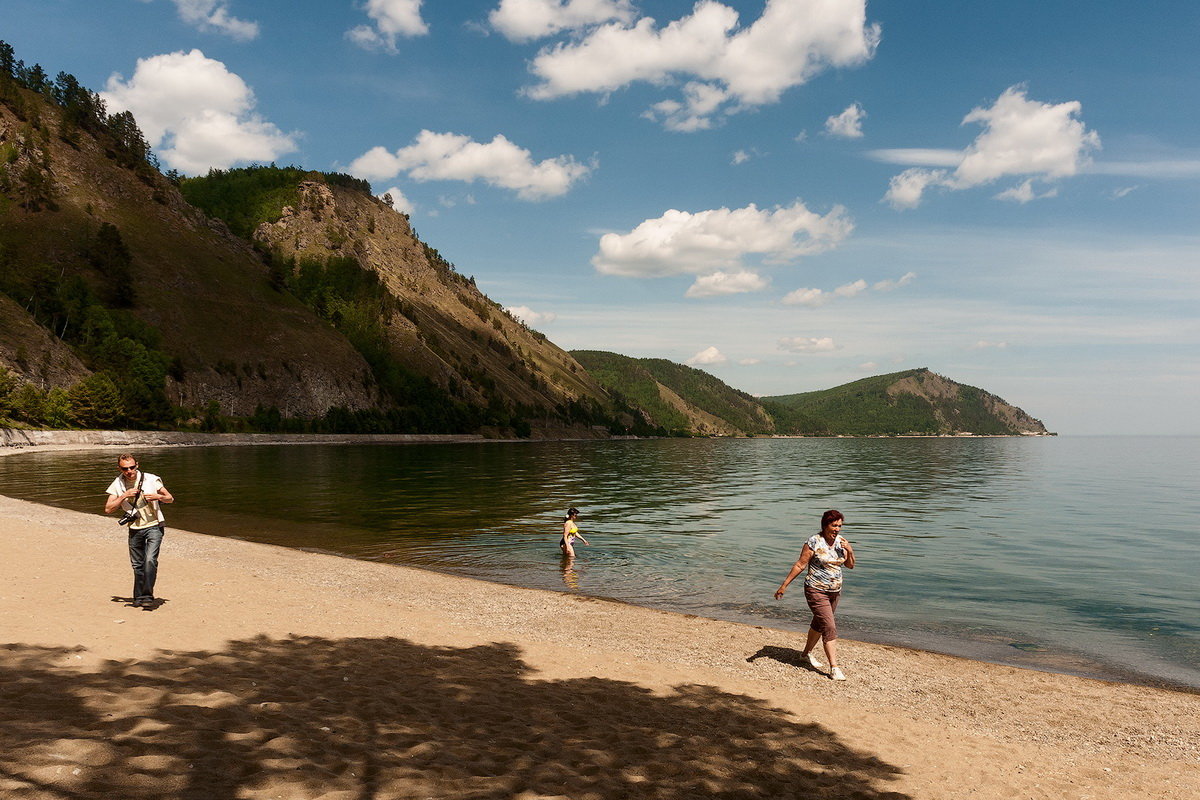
(128, 517)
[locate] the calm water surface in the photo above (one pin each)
(1069, 554)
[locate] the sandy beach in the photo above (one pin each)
(274, 673)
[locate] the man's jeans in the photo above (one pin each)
(143, 557)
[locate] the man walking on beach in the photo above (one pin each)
(138, 495)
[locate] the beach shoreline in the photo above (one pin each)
(976, 645)
(907, 723)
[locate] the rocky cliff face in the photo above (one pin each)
(444, 328)
(32, 353)
(945, 396)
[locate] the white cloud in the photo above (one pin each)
(1021, 137)
(742, 156)
(391, 18)
(906, 189)
(1181, 168)
(725, 68)
(709, 355)
(801, 137)
(890, 285)
(851, 289)
(399, 201)
(720, 283)
(868, 366)
(700, 102)
(749, 362)
(680, 242)
(813, 298)
(530, 317)
(802, 344)
(196, 113)
(806, 297)
(453, 157)
(984, 344)
(1117, 194)
(848, 124)
(917, 156)
(522, 20)
(214, 15)
(1024, 192)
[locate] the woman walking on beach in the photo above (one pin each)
(823, 556)
(571, 533)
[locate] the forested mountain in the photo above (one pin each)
(125, 305)
(912, 402)
(679, 398)
(689, 401)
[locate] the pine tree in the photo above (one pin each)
(95, 402)
(8, 389)
(108, 253)
(56, 412)
(29, 404)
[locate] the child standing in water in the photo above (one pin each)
(571, 533)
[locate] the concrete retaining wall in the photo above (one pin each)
(12, 437)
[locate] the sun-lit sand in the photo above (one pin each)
(274, 673)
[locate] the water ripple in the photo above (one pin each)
(1086, 546)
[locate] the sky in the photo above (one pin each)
(788, 194)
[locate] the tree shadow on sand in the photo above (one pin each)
(385, 718)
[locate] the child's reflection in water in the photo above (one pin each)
(569, 575)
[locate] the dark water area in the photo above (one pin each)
(1070, 554)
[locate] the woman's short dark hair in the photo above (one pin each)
(571, 511)
(832, 515)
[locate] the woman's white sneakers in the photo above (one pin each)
(809, 660)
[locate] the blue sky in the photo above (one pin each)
(789, 194)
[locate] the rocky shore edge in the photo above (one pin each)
(19, 439)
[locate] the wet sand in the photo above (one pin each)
(269, 672)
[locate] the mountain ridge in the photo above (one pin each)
(916, 401)
(280, 299)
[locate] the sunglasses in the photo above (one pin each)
(128, 469)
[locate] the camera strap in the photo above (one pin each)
(141, 477)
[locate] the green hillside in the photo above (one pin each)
(911, 402)
(628, 379)
(711, 394)
(680, 398)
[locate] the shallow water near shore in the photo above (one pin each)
(1072, 554)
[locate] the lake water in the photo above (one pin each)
(1073, 554)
